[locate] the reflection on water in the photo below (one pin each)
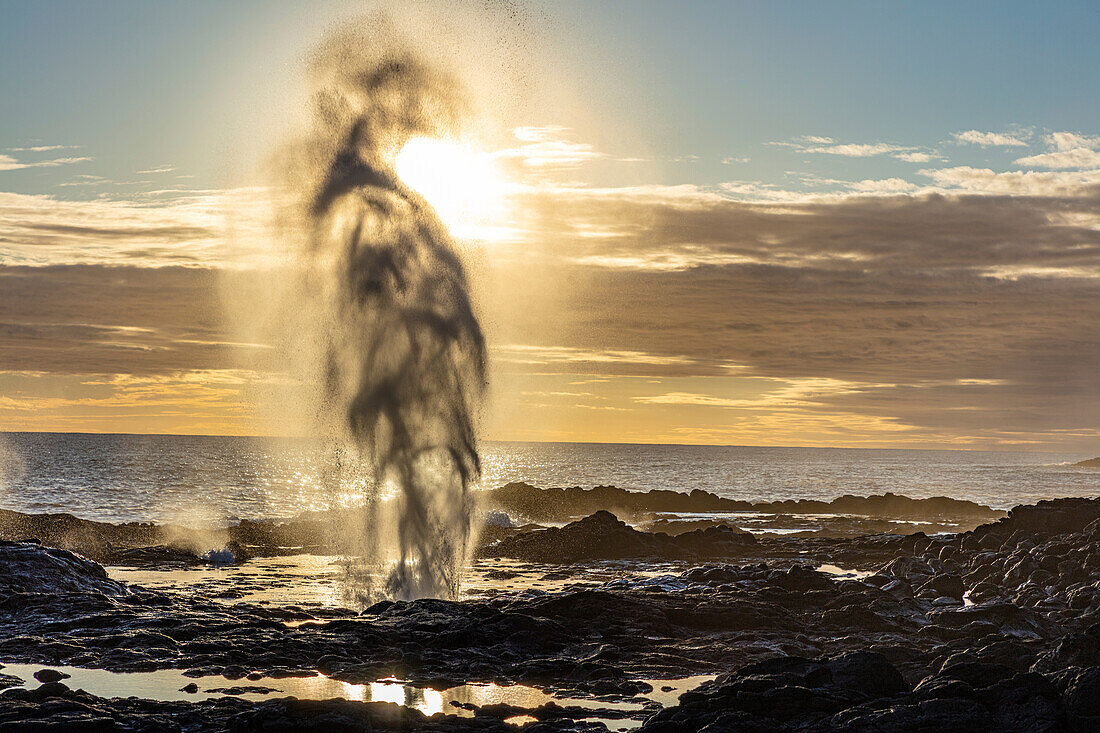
(166, 685)
(318, 580)
(313, 580)
(844, 573)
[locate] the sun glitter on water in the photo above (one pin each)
(464, 185)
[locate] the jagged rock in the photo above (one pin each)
(603, 536)
(1083, 701)
(782, 691)
(557, 504)
(811, 652)
(27, 567)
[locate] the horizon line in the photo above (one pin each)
(552, 442)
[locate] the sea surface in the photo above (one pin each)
(215, 480)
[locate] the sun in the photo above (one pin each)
(463, 185)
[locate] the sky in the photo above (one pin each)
(749, 223)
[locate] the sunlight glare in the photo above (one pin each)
(463, 184)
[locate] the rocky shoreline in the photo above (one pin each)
(990, 629)
(523, 507)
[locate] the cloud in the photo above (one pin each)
(734, 159)
(1071, 140)
(42, 148)
(1017, 183)
(1073, 158)
(959, 312)
(8, 163)
(196, 228)
(917, 157)
(885, 185)
(84, 179)
(80, 319)
(989, 139)
(210, 401)
(1067, 150)
(855, 150)
(948, 315)
(760, 191)
(827, 146)
(159, 169)
(585, 360)
(779, 393)
(547, 147)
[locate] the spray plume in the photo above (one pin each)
(403, 355)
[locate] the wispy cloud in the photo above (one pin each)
(175, 228)
(84, 179)
(1075, 158)
(916, 157)
(204, 401)
(548, 146)
(43, 148)
(527, 354)
(828, 146)
(991, 139)
(9, 163)
(780, 393)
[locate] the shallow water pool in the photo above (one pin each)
(167, 685)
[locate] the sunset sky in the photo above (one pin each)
(750, 223)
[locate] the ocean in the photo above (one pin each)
(203, 480)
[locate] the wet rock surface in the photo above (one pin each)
(30, 568)
(992, 629)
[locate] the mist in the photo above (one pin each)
(378, 319)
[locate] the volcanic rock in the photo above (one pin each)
(50, 675)
(26, 567)
(557, 504)
(602, 536)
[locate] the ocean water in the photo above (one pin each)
(205, 480)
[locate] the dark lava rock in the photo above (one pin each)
(603, 536)
(242, 690)
(1052, 516)
(27, 567)
(862, 692)
(61, 710)
(341, 715)
(1083, 701)
(556, 504)
(812, 652)
(50, 675)
(781, 693)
